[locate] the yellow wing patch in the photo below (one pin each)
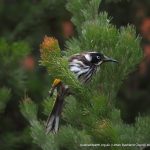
(56, 82)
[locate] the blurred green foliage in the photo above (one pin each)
(23, 24)
(30, 20)
(13, 135)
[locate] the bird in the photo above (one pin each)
(84, 66)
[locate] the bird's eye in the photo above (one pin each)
(98, 57)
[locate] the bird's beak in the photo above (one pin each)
(107, 59)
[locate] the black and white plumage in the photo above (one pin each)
(54, 117)
(84, 66)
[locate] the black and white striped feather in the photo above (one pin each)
(81, 66)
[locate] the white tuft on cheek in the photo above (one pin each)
(99, 63)
(88, 57)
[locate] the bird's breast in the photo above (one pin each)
(83, 72)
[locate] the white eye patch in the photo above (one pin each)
(88, 57)
(98, 57)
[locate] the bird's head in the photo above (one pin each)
(97, 58)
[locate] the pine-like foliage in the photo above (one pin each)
(12, 86)
(43, 17)
(89, 115)
(11, 73)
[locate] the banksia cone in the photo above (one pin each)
(49, 49)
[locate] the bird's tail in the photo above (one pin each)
(52, 124)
